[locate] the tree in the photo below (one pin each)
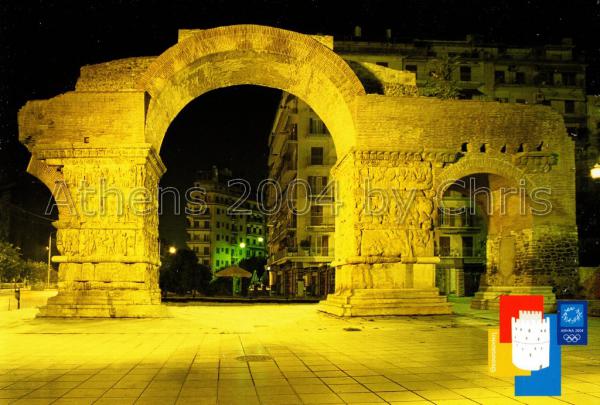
(36, 273)
(440, 83)
(11, 263)
(181, 273)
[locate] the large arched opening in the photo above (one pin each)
(300, 66)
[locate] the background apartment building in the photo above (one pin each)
(550, 75)
(460, 241)
(301, 229)
(219, 237)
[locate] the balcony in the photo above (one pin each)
(303, 255)
(457, 220)
(321, 223)
(198, 210)
(321, 195)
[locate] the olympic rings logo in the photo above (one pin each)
(572, 337)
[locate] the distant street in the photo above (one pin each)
(29, 299)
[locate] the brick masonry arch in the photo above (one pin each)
(475, 163)
(257, 55)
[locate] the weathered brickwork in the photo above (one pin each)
(112, 127)
(116, 75)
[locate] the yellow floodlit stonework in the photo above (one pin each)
(97, 149)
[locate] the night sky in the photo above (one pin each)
(43, 44)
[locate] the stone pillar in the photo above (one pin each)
(538, 261)
(460, 281)
(384, 257)
(527, 255)
(107, 231)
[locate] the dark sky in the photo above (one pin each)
(43, 44)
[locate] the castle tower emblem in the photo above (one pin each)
(531, 340)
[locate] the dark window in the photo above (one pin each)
(206, 250)
(412, 68)
(316, 156)
(547, 78)
(520, 77)
(317, 184)
(569, 107)
(316, 126)
(568, 79)
(465, 73)
(385, 64)
(444, 246)
(467, 246)
(316, 215)
(499, 76)
(521, 101)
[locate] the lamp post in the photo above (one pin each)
(49, 261)
(595, 172)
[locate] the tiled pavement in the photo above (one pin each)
(266, 354)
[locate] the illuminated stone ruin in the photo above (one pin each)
(393, 148)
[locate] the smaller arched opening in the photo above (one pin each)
(484, 226)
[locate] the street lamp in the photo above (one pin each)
(261, 239)
(242, 245)
(172, 250)
(595, 172)
(49, 249)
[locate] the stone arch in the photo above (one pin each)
(52, 178)
(257, 55)
(510, 235)
(480, 163)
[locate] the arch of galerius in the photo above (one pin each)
(97, 148)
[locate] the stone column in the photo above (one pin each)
(107, 231)
(538, 261)
(384, 257)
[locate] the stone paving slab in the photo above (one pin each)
(267, 354)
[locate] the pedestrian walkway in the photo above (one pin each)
(267, 354)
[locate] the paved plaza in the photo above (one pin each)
(267, 354)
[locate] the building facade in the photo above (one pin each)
(460, 238)
(301, 229)
(223, 228)
(550, 75)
